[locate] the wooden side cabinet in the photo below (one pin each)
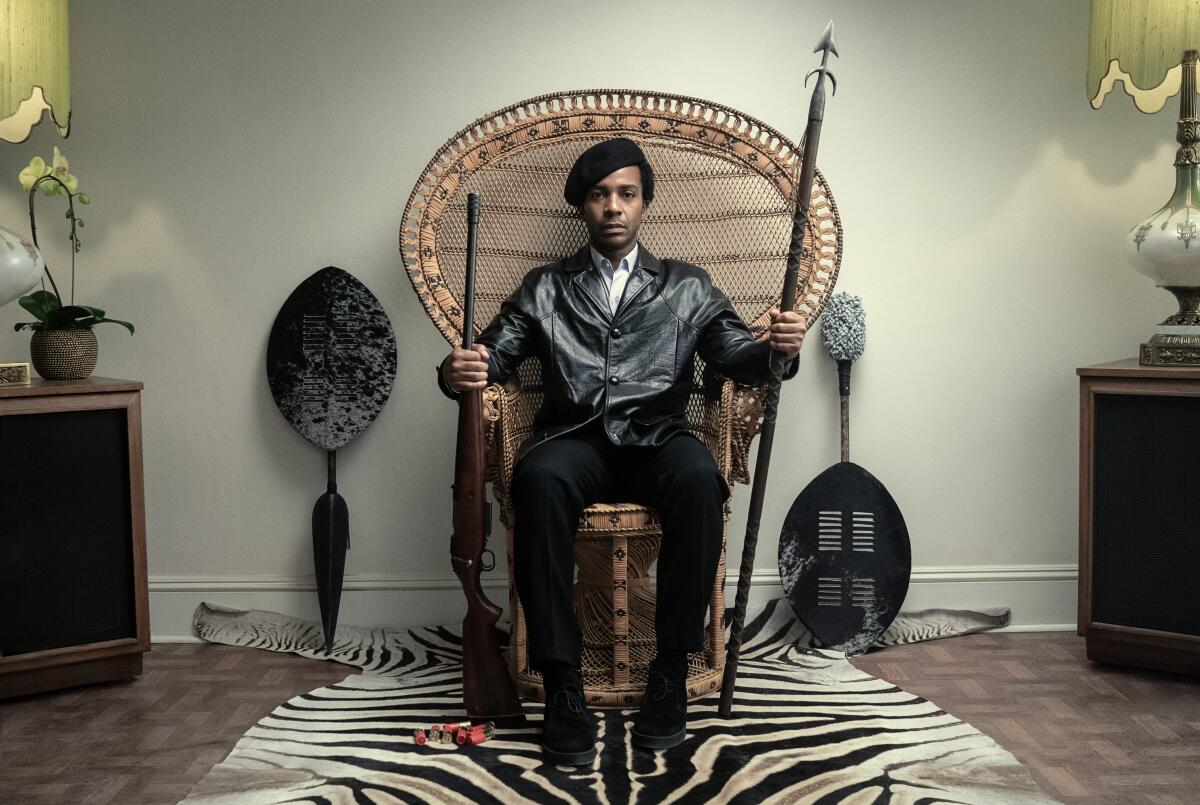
(73, 595)
(1139, 515)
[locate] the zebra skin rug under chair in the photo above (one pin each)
(807, 727)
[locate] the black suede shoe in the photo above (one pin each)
(662, 721)
(569, 731)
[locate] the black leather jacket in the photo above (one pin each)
(634, 368)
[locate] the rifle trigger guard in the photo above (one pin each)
(489, 563)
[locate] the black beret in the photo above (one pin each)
(602, 159)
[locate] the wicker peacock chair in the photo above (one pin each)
(723, 200)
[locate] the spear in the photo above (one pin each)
(766, 439)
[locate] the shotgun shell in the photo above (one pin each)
(435, 735)
(481, 733)
(419, 737)
(447, 737)
(462, 732)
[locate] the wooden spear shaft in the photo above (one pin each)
(766, 437)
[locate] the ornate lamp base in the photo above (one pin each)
(1160, 246)
(1171, 350)
(1176, 342)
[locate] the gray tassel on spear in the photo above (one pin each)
(844, 329)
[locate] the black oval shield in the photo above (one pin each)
(844, 558)
(331, 358)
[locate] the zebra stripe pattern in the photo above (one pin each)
(807, 727)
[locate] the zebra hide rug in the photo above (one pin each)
(807, 727)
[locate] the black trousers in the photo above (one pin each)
(556, 481)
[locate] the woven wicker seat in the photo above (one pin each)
(723, 200)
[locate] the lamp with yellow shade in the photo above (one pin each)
(1151, 46)
(34, 48)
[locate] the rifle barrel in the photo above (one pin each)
(468, 329)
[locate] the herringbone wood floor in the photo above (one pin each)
(149, 740)
(1090, 733)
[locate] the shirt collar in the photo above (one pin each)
(603, 265)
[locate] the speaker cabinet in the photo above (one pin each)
(73, 596)
(1139, 515)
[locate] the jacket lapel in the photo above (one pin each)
(648, 266)
(588, 282)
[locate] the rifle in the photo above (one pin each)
(488, 690)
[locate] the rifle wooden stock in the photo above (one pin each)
(488, 689)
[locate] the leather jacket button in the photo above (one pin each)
(614, 380)
(615, 332)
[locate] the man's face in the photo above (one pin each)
(613, 210)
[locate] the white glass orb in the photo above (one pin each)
(1166, 246)
(21, 266)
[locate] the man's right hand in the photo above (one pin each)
(466, 369)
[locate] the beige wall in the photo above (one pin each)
(233, 148)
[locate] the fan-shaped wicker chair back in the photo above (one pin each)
(723, 200)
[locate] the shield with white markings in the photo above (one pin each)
(844, 558)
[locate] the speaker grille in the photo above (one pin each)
(66, 556)
(1146, 512)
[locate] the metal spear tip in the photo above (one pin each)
(826, 42)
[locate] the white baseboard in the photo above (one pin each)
(1042, 597)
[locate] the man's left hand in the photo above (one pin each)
(787, 332)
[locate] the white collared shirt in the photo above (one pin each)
(615, 279)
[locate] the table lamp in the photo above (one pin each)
(35, 79)
(1150, 46)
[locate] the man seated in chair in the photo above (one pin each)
(615, 329)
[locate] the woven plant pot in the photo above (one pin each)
(63, 354)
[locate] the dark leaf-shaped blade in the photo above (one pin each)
(331, 537)
(844, 558)
(331, 358)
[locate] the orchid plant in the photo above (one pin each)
(47, 306)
